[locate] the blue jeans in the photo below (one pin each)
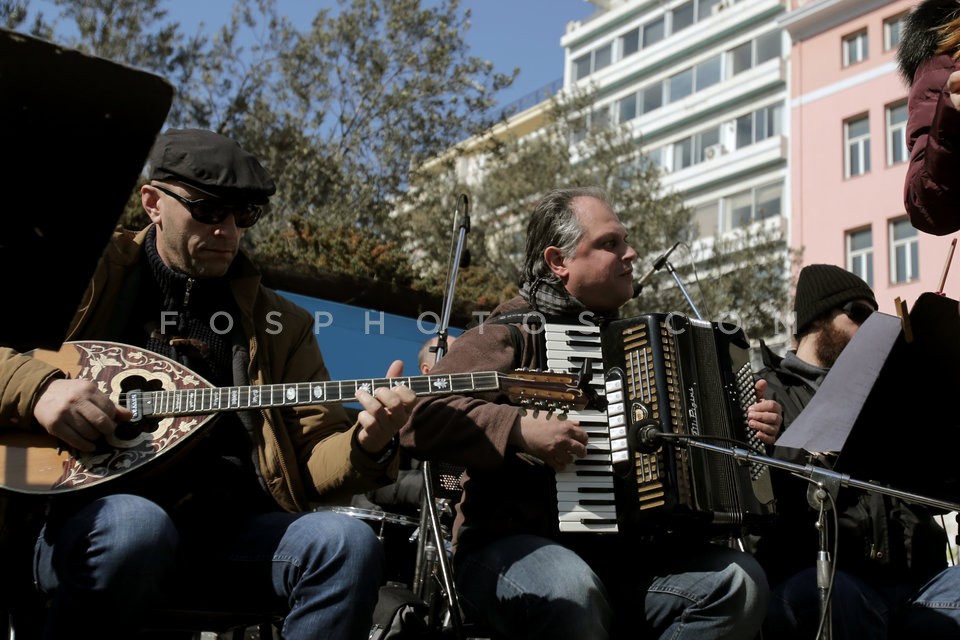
(113, 559)
(863, 610)
(530, 587)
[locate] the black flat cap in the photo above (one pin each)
(212, 164)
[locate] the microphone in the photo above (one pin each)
(657, 265)
(648, 437)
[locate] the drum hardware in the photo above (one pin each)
(390, 530)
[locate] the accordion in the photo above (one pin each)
(681, 376)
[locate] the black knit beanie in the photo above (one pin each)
(822, 287)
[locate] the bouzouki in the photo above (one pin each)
(170, 404)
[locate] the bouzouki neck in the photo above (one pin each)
(184, 402)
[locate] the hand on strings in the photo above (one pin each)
(384, 412)
(765, 416)
(78, 413)
(551, 440)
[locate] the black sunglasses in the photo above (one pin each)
(212, 211)
(857, 311)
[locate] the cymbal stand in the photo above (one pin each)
(431, 547)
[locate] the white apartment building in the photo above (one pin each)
(703, 86)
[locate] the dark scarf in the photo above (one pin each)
(550, 298)
(192, 340)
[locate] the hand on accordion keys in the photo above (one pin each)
(546, 439)
(765, 416)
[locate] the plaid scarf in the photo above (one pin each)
(550, 298)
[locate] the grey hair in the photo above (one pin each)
(554, 223)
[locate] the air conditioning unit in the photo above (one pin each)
(713, 151)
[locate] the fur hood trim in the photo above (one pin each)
(919, 39)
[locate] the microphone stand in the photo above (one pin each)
(827, 483)
(435, 548)
(683, 289)
(661, 262)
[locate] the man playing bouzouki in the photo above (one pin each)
(232, 515)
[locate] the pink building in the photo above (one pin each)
(848, 150)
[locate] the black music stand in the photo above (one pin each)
(887, 405)
(886, 408)
(75, 131)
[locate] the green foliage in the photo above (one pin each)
(337, 249)
(350, 114)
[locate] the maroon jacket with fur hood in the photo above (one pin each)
(932, 187)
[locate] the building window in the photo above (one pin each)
(860, 254)
(755, 52)
(769, 199)
(904, 254)
(592, 61)
(628, 108)
(741, 58)
(705, 8)
(759, 125)
(682, 154)
(681, 85)
(752, 205)
(602, 57)
(708, 144)
(897, 133)
(581, 66)
(892, 30)
(768, 47)
(700, 147)
(682, 17)
(707, 73)
(652, 98)
(855, 48)
(654, 31)
(856, 134)
(705, 219)
(629, 43)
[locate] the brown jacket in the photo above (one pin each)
(307, 454)
(502, 493)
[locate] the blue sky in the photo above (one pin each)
(509, 33)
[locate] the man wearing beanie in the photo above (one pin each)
(228, 521)
(890, 578)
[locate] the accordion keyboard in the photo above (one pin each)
(585, 489)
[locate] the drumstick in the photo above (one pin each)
(946, 267)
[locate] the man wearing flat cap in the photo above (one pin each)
(230, 516)
(890, 579)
